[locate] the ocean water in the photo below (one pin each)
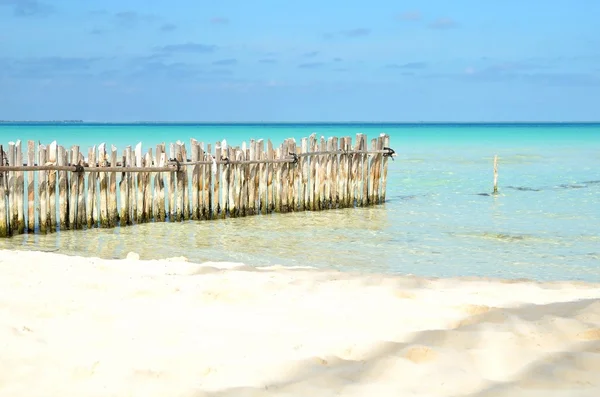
(439, 219)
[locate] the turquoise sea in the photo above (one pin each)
(438, 220)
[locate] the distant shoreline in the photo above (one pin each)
(291, 123)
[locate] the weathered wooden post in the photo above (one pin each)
(496, 174)
(51, 153)
(63, 190)
(4, 218)
(30, 187)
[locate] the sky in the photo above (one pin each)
(268, 60)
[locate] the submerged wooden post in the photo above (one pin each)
(51, 154)
(386, 143)
(252, 169)
(363, 171)
(196, 192)
(81, 208)
(91, 196)
(378, 162)
(63, 191)
(496, 174)
(30, 188)
(113, 212)
(313, 177)
(74, 188)
(42, 191)
(270, 170)
(159, 185)
(208, 177)
(216, 206)
(20, 190)
(181, 188)
(303, 165)
(224, 180)
(186, 188)
(12, 214)
(262, 177)
(335, 195)
(148, 196)
(4, 218)
(138, 212)
(102, 161)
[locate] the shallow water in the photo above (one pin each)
(439, 219)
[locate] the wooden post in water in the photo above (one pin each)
(217, 180)
(252, 169)
(355, 176)
(102, 161)
(372, 162)
(313, 177)
(148, 196)
(74, 188)
(4, 218)
(186, 185)
(270, 195)
(292, 177)
(231, 182)
(113, 212)
(123, 197)
(196, 192)
(303, 166)
(386, 143)
(322, 174)
(43, 190)
(495, 174)
(51, 154)
(245, 182)
(138, 212)
(12, 214)
(240, 155)
(159, 185)
(63, 190)
(181, 187)
(30, 188)
(81, 208)
(19, 189)
(224, 179)
(379, 157)
(92, 203)
(364, 171)
(262, 177)
(335, 163)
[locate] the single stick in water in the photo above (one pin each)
(496, 174)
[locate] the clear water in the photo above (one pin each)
(544, 224)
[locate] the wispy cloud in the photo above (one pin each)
(267, 61)
(226, 62)
(409, 65)
(409, 16)
(443, 24)
(168, 27)
(219, 21)
(28, 8)
(311, 65)
(97, 32)
(337, 59)
(186, 48)
(45, 67)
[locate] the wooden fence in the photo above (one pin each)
(56, 188)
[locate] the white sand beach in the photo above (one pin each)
(72, 326)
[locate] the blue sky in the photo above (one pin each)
(267, 60)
